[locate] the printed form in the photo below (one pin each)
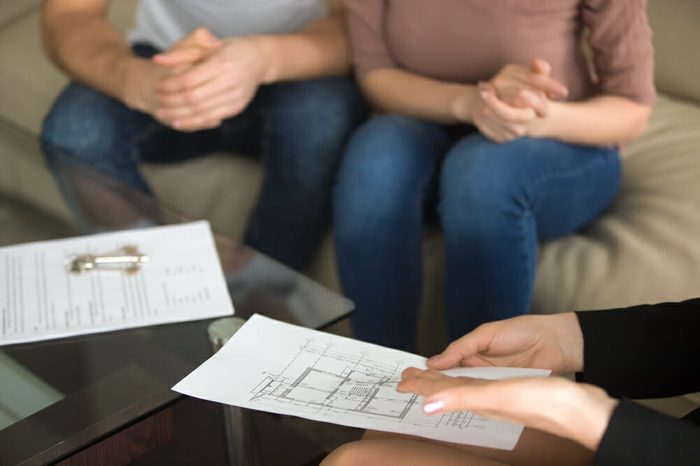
(281, 368)
(41, 299)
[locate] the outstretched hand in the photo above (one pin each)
(552, 342)
(579, 412)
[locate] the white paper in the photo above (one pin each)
(281, 368)
(40, 299)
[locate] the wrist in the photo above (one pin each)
(546, 127)
(134, 71)
(571, 341)
(266, 51)
(588, 417)
(462, 103)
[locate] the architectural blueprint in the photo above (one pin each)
(280, 368)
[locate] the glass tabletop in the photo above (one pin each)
(58, 396)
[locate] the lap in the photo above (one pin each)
(534, 448)
(562, 186)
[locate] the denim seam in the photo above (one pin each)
(525, 252)
(542, 178)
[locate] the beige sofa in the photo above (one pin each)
(645, 249)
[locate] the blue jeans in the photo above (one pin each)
(297, 128)
(494, 203)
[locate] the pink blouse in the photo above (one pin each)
(468, 41)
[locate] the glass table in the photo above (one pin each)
(63, 396)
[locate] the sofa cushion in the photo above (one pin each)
(219, 187)
(10, 10)
(676, 40)
(647, 247)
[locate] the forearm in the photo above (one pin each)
(321, 49)
(655, 344)
(604, 120)
(89, 49)
(641, 437)
(393, 90)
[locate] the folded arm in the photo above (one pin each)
(601, 120)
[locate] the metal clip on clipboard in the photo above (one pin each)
(126, 259)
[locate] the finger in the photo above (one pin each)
(411, 372)
(541, 67)
(497, 133)
(426, 383)
(459, 350)
(216, 89)
(197, 124)
(206, 119)
(192, 47)
(544, 83)
(504, 111)
(196, 76)
(188, 111)
(470, 395)
(527, 98)
(179, 56)
(201, 37)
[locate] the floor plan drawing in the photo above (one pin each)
(280, 368)
(323, 380)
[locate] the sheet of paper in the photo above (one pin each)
(281, 368)
(40, 299)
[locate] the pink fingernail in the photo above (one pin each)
(433, 406)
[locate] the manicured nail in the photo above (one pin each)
(433, 406)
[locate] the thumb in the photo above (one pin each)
(202, 37)
(180, 56)
(462, 349)
(474, 394)
(541, 67)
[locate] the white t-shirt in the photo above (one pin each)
(162, 22)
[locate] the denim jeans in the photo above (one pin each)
(297, 128)
(494, 203)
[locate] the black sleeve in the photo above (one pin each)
(638, 436)
(644, 351)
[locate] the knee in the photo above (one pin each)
(479, 170)
(79, 122)
(390, 133)
(381, 172)
(350, 454)
(481, 185)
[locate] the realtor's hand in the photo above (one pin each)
(556, 405)
(552, 342)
